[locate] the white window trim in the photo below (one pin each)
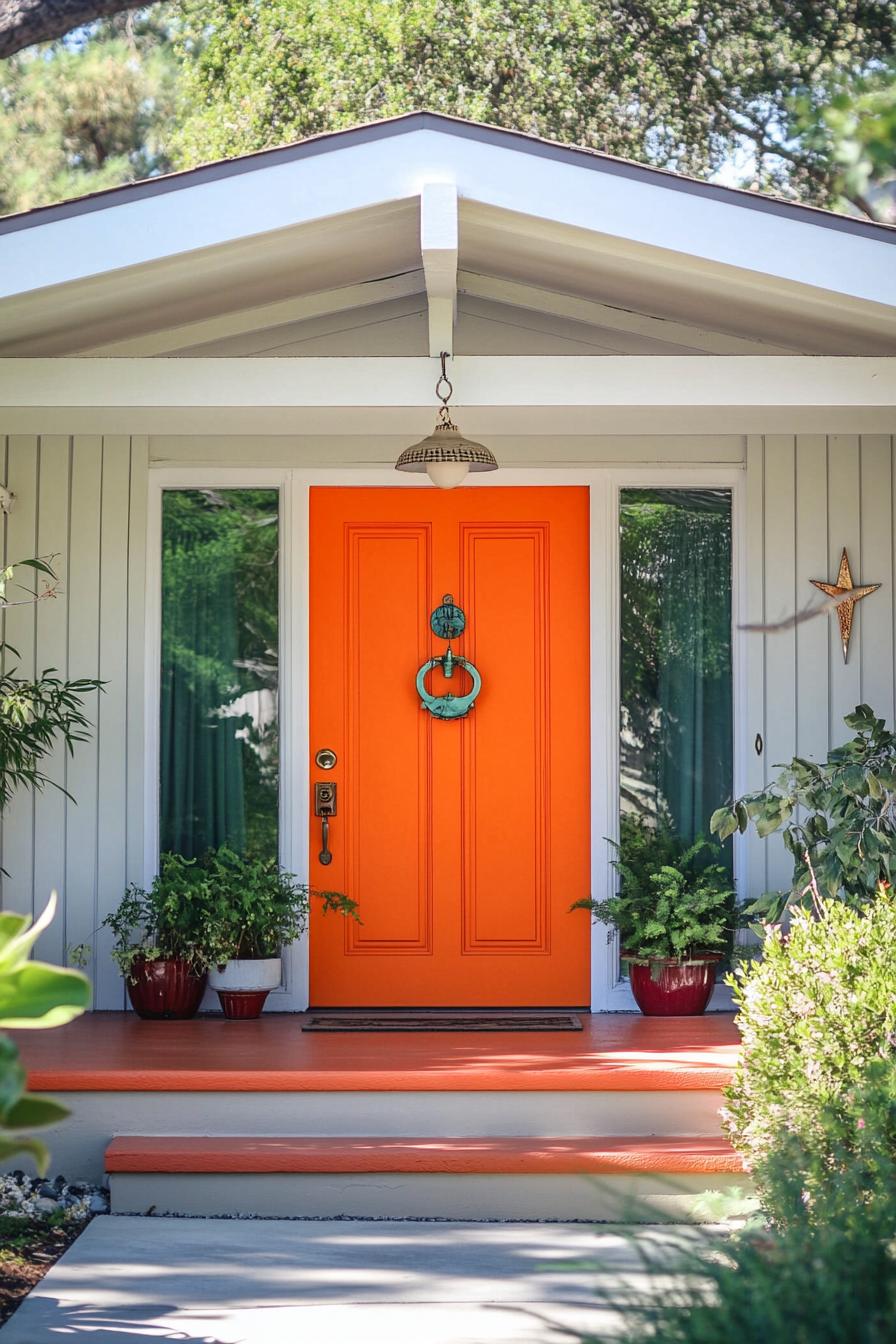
(609, 992)
(293, 805)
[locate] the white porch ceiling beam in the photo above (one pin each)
(324, 303)
(438, 247)
(534, 299)
(575, 394)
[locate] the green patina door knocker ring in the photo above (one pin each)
(448, 621)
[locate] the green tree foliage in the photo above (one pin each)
(786, 95)
(88, 112)
(850, 127)
(670, 82)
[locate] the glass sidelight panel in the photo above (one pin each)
(676, 749)
(219, 748)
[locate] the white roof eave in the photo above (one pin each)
(570, 200)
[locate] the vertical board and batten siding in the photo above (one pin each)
(83, 500)
(808, 496)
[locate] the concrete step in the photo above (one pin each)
(620, 1178)
(78, 1144)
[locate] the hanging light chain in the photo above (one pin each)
(446, 446)
(444, 413)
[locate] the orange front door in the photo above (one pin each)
(465, 841)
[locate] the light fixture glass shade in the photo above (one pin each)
(446, 456)
(446, 475)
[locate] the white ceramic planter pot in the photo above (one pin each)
(243, 985)
(246, 975)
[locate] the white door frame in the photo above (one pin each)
(609, 991)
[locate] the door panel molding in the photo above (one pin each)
(375, 813)
(527, 838)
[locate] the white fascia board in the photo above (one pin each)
(617, 209)
(207, 214)
(577, 394)
(631, 210)
(438, 249)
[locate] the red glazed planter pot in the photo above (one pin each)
(167, 988)
(243, 984)
(668, 988)
(242, 1004)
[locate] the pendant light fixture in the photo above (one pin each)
(446, 455)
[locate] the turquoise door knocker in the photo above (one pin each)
(448, 621)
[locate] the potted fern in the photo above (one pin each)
(158, 941)
(674, 912)
(253, 909)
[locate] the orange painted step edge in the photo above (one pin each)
(479, 1078)
(502, 1156)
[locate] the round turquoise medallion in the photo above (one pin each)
(447, 621)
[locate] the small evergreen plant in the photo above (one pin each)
(673, 901)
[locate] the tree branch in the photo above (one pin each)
(24, 22)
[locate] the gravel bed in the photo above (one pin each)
(39, 1219)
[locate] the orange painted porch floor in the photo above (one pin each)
(117, 1052)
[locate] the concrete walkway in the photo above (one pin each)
(210, 1281)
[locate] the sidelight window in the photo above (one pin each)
(676, 748)
(219, 741)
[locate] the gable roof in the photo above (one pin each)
(538, 226)
(325, 142)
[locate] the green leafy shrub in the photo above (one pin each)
(671, 902)
(834, 1169)
(252, 908)
(168, 920)
(838, 819)
(213, 909)
(33, 994)
(817, 1012)
(827, 1276)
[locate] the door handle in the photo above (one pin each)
(325, 808)
(325, 854)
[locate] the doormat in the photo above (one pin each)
(442, 1022)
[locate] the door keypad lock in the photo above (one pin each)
(325, 808)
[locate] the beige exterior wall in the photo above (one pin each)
(84, 499)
